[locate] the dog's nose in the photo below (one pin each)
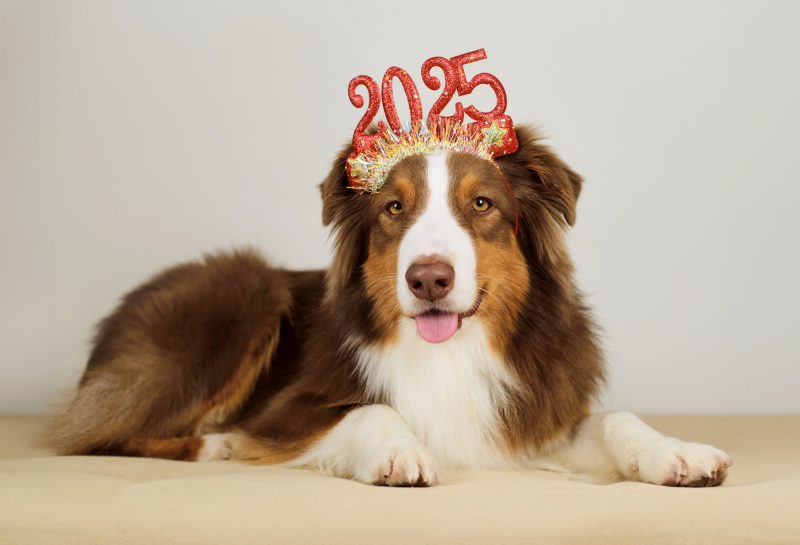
(430, 280)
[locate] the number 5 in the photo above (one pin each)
(466, 86)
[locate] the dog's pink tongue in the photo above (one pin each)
(437, 328)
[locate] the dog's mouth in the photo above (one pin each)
(436, 325)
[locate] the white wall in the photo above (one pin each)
(134, 135)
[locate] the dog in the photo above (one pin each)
(447, 333)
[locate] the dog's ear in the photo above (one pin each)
(344, 210)
(334, 187)
(535, 171)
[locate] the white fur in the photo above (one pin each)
(216, 446)
(437, 232)
(373, 445)
(444, 396)
(443, 401)
(618, 444)
(449, 393)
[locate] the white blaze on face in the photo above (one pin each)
(437, 232)
(450, 394)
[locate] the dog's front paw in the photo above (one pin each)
(401, 466)
(672, 462)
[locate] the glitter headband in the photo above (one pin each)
(490, 135)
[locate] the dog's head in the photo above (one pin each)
(450, 237)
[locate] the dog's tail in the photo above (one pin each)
(104, 411)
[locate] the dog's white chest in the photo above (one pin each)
(450, 394)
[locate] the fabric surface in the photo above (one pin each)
(105, 500)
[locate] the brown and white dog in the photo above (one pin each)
(448, 332)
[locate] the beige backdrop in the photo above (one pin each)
(134, 135)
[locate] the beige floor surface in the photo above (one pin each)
(105, 500)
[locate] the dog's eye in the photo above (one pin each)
(481, 204)
(395, 208)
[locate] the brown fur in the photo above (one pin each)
(502, 272)
(179, 353)
(171, 448)
(406, 183)
(554, 350)
(230, 343)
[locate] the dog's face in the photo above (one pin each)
(441, 240)
(438, 243)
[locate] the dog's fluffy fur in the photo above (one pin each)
(229, 357)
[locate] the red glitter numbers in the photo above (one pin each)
(466, 86)
(450, 87)
(412, 95)
(361, 140)
(496, 127)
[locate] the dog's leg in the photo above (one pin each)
(374, 445)
(619, 443)
(212, 446)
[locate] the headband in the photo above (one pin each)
(489, 135)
